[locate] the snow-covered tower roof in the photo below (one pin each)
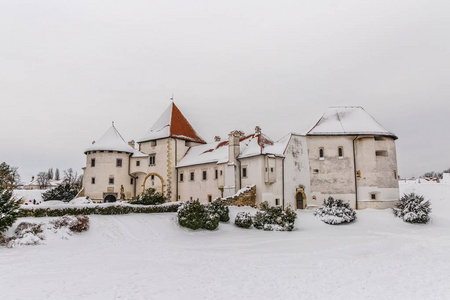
(172, 123)
(348, 120)
(111, 141)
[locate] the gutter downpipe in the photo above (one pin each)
(354, 169)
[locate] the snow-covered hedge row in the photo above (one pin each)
(413, 208)
(335, 212)
(97, 210)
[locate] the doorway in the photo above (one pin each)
(300, 199)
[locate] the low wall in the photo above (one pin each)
(244, 197)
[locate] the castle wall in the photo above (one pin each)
(199, 189)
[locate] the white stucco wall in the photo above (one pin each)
(199, 189)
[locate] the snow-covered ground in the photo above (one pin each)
(150, 257)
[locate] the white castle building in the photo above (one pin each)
(346, 155)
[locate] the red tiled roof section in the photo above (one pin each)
(181, 128)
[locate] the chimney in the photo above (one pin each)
(257, 129)
(132, 143)
(217, 138)
(234, 146)
(93, 142)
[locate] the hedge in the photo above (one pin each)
(97, 210)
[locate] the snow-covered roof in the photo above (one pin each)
(250, 145)
(51, 182)
(111, 141)
(348, 120)
(172, 123)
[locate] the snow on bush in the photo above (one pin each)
(149, 197)
(194, 215)
(243, 220)
(335, 212)
(63, 192)
(217, 207)
(80, 201)
(274, 218)
(9, 209)
(413, 208)
(32, 234)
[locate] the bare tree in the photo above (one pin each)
(42, 179)
(72, 178)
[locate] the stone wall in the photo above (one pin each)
(244, 197)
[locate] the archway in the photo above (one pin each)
(110, 198)
(300, 199)
(151, 177)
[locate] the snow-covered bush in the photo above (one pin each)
(413, 208)
(274, 218)
(335, 212)
(80, 201)
(149, 197)
(194, 215)
(217, 207)
(243, 220)
(9, 207)
(63, 192)
(78, 223)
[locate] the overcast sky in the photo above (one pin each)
(69, 68)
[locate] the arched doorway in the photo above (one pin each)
(110, 198)
(154, 180)
(300, 199)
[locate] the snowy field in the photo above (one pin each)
(150, 257)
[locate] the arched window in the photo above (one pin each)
(340, 152)
(321, 153)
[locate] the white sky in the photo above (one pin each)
(69, 68)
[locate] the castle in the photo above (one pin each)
(347, 155)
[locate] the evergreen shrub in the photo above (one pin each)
(413, 208)
(335, 212)
(9, 207)
(243, 220)
(149, 197)
(194, 215)
(63, 192)
(274, 218)
(217, 207)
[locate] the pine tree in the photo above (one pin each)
(8, 205)
(57, 174)
(50, 173)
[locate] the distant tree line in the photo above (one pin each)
(435, 174)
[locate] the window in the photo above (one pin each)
(138, 163)
(101, 151)
(192, 176)
(373, 196)
(152, 177)
(111, 180)
(340, 152)
(220, 172)
(131, 181)
(244, 172)
(315, 171)
(216, 174)
(321, 153)
(271, 170)
(209, 198)
(153, 143)
(119, 151)
(381, 153)
(277, 201)
(110, 151)
(181, 177)
(379, 138)
(204, 175)
(93, 180)
(92, 162)
(119, 162)
(152, 159)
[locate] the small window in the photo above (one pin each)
(271, 170)
(192, 176)
(153, 143)
(138, 163)
(216, 174)
(379, 138)
(209, 198)
(101, 151)
(181, 177)
(152, 159)
(204, 175)
(110, 151)
(277, 202)
(373, 196)
(244, 172)
(119, 151)
(131, 181)
(93, 180)
(92, 162)
(152, 177)
(321, 153)
(381, 153)
(119, 162)
(340, 152)
(315, 171)
(111, 180)
(220, 172)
